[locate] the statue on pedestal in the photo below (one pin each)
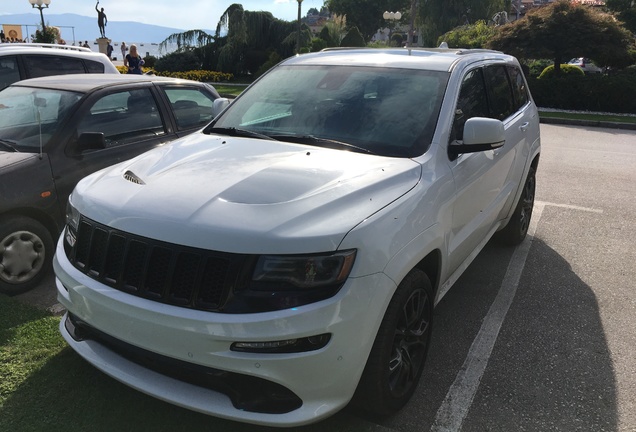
(102, 20)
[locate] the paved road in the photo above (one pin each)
(541, 337)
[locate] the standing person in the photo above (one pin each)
(102, 20)
(109, 51)
(124, 48)
(133, 61)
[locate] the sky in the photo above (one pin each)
(181, 14)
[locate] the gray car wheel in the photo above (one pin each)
(26, 251)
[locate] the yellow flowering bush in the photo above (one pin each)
(195, 75)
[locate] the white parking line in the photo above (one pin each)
(459, 398)
(568, 206)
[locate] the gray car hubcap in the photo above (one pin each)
(21, 257)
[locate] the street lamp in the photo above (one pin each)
(40, 4)
(298, 33)
(391, 16)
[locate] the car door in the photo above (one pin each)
(482, 179)
(132, 122)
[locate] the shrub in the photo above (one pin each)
(353, 39)
(273, 60)
(318, 44)
(178, 62)
(397, 39)
(150, 61)
(198, 75)
(566, 70)
(537, 66)
(598, 93)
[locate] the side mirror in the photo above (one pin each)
(90, 141)
(480, 134)
(219, 105)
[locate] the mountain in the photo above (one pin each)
(76, 28)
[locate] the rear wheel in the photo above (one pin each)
(397, 358)
(517, 227)
(26, 251)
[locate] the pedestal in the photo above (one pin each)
(102, 43)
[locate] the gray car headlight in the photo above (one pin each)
(304, 271)
(72, 223)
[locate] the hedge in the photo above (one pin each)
(600, 93)
(195, 75)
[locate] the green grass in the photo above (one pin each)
(45, 385)
(590, 117)
(226, 89)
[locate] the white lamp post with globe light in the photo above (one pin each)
(40, 4)
(391, 16)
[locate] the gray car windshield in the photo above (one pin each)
(30, 117)
(385, 111)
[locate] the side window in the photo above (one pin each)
(472, 102)
(123, 117)
(94, 66)
(519, 88)
(191, 107)
(499, 92)
(9, 72)
(47, 65)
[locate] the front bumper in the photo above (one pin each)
(324, 380)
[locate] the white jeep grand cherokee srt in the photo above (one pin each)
(287, 258)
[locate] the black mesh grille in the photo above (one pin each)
(168, 273)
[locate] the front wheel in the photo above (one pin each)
(26, 252)
(397, 358)
(517, 227)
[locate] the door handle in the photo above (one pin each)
(524, 127)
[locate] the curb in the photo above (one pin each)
(588, 123)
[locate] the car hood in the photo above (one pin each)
(245, 195)
(8, 160)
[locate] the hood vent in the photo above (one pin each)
(132, 177)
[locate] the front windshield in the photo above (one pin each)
(386, 111)
(28, 115)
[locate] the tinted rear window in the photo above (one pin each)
(47, 65)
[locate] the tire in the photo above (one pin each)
(399, 352)
(517, 228)
(26, 252)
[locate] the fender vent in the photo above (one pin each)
(132, 177)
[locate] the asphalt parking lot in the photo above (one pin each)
(541, 337)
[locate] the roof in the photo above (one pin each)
(85, 83)
(440, 59)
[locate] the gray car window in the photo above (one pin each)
(94, 66)
(9, 72)
(123, 117)
(191, 107)
(472, 102)
(47, 65)
(499, 92)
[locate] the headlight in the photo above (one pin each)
(72, 223)
(304, 271)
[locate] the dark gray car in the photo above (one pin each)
(56, 130)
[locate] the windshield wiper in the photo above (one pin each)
(9, 144)
(314, 140)
(238, 132)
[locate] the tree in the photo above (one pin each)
(366, 15)
(469, 36)
(626, 11)
(353, 39)
(242, 42)
(437, 17)
(563, 30)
